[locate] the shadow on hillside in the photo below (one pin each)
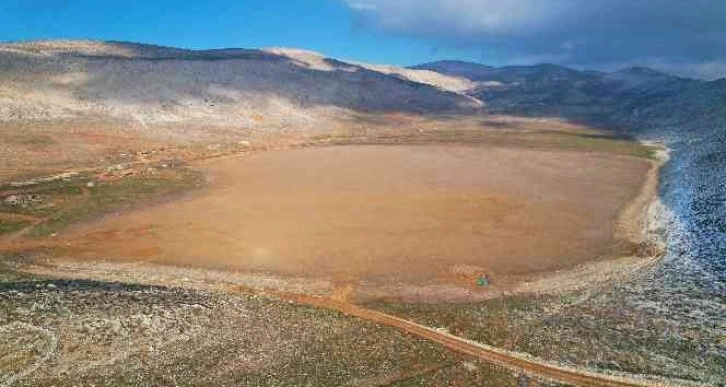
(168, 77)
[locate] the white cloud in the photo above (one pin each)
(687, 32)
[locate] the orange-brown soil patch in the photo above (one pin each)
(383, 214)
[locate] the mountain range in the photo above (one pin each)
(288, 87)
(75, 105)
(632, 98)
(230, 87)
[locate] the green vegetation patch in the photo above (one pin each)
(105, 197)
(82, 197)
(8, 226)
(590, 143)
(546, 140)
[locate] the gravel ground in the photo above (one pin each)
(72, 333)
(607, 332)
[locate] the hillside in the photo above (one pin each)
(689, 117)
(146, 83)
(634, 98)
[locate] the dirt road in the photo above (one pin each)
(512, 361)
(221, 281)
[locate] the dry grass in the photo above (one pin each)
(110, 334)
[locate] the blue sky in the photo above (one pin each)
(327, 26)
(687, 37)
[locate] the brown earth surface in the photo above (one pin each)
(444, 214)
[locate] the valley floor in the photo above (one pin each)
(430, 216)
(591, 175)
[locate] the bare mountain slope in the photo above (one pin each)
(231, 86)
(443, 81)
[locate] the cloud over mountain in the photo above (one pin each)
(684, 35)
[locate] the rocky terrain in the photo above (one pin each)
(88, 103)
(68, 333)
(685, 293)
(236, 87)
